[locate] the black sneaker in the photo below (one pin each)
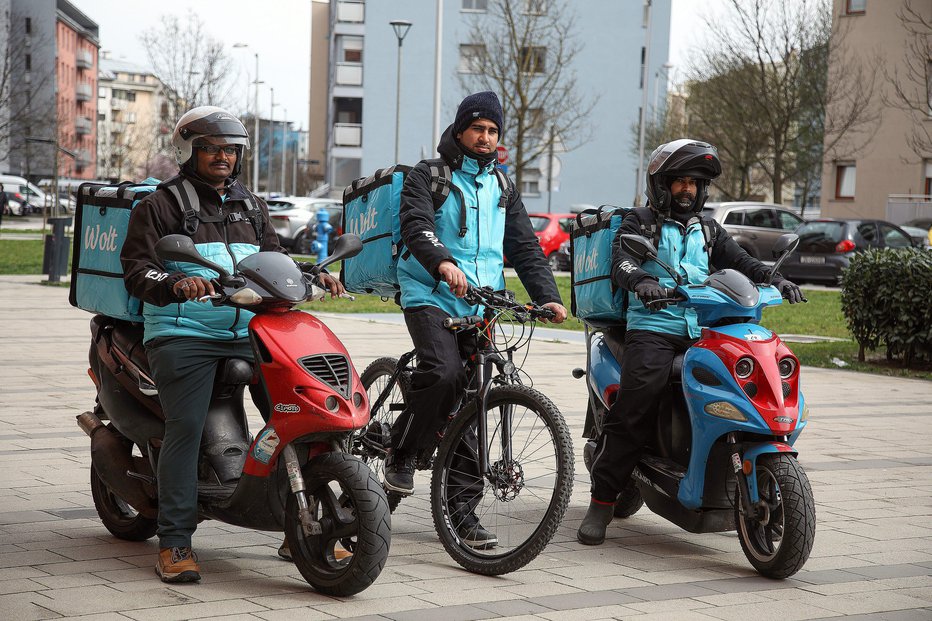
(399, 473)
(470, 532)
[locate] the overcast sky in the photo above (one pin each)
(284, 46)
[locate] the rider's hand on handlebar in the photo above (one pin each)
(791, 292)
(192, 288)
(453, 276)
(651, 293)
(558, 310)
(332, 284)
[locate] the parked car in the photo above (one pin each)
(919, 236)
(295, 217)
(755, 226)
(563, 258)
(922, 223)
(827, 245)
(552, 229)
(28, 198)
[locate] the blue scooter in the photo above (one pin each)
(722, 457)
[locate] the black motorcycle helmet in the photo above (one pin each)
(681, 158)
(203, 124)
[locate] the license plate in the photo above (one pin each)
(812, 260)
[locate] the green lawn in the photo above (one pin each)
(821, 316)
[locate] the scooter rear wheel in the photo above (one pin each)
(117, 516)
(778, 544)
(349, 503)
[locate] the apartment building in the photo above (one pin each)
(54, 86)
(362, 83)
(130, 129)
(886, 179)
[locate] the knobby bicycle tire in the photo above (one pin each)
(527, 501)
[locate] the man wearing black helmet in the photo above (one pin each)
(185, 337)
(678, 178)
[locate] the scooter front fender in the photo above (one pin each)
(751, 454)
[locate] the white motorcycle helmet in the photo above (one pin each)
(208, 122)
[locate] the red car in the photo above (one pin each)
(552, 229)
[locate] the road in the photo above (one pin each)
(867, 450)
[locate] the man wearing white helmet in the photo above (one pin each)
(185, 338)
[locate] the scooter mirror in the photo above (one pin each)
(784, 247)
(348, 245)
(181, 248)
(638, 247)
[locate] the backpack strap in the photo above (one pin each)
(650, 227)
(507, 186)
(187, 199)
(441, 184)
(708, 233)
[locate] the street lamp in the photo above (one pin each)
(268, 183)
(640, 173)
(255, 136)
(665, 69)
(284, 143)
(401, 28)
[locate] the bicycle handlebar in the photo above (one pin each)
(497, 300)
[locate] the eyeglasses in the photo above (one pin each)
(212, 149)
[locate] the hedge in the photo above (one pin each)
(886, 301)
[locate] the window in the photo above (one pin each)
(538, 223)
(28, 61)
(350, 49)
(788, 221)
(928, 180)
(535, 7)
(734, 217)
(868, 232)
(844, 181)
(534, 122)
(533, 59)
(28, 25)
(894, 238)
(530, 182)
(762, 218)
(929, 86)
(855, 6)
(471, 57)
(475, 5)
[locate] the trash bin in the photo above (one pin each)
(56, 251)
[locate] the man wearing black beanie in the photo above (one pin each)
(445, 252)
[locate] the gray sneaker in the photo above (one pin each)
(399, 473)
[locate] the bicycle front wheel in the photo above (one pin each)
(497, 523)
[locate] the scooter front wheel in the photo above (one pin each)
(348, 502)
(778, 542)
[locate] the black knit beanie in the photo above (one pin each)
(484, 105)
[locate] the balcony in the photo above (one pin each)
(352, 12)
(82, 125)
(83, 92)
(347, 134)
(84, 59)
(117, 127)
(118, 104)
(349, 74)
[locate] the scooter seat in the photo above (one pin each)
(127, 337)
(615, 339)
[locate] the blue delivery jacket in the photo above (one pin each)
(493, 229)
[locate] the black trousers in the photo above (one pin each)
(645, 370)
(436, 389)
(436, 385)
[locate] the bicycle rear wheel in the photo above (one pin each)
(370, 442)
(523, 501)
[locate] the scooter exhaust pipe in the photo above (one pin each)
(112, 459)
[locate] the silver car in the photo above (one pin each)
(295, 218)
(755, 226)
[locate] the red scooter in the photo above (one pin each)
(294, 475)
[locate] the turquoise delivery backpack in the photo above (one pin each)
(101, 220)
(370, 210)
(594, 295)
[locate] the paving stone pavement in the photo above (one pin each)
(867, 450)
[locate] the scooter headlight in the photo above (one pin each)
(246, 297)
(787, 367)
(744, 367)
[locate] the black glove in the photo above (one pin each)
(649, 290)
(790, 291)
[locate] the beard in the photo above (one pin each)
(683, 202)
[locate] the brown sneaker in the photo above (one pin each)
(177, 565)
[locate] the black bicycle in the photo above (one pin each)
(506, 451)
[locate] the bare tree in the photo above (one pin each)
(191, 63)
(524, 50)
(769, 97)
(910, 79)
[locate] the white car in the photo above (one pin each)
(295, 218)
